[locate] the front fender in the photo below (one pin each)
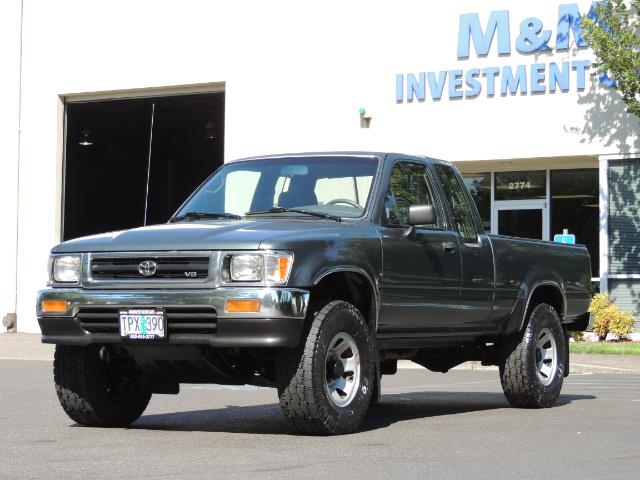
(354, 247)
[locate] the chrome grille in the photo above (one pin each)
(180, 319)
(166, 268)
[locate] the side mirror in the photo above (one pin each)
(422, 215)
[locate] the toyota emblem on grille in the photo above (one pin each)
(147, 268)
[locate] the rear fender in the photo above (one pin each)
(528, 298)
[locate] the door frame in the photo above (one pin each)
(107, 95)
(529, 204)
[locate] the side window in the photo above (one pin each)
(407, 186)
(460, 209)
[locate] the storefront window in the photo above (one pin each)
(574, 207)
(479, 184)
(521, 185)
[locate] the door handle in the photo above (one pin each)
(448, 247)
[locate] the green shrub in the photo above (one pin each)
(622, 325)
(610, 318)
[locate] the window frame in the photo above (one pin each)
(433, 190)
(477, 222)
(490, 175)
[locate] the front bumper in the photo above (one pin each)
(278, 323)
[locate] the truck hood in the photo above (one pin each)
(210, 235)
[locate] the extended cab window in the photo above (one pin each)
(460, 208)
(408, 186)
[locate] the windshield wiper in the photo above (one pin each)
(295, 210)
(196, 215)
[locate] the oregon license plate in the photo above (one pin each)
(143, 323)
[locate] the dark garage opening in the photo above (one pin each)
(132, 162)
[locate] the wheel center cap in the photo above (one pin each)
(335, 368)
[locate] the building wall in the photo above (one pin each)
(295, 76)
(10, 21)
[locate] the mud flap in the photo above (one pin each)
(566, 351)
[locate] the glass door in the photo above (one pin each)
(521, 218)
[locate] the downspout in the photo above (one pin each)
(10, 321)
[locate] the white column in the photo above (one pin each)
(603, 164)
(10, 60)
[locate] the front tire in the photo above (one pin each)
(533, 366)
(327, 383)
(92, 396)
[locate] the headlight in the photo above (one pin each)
(66, 269)
(246, 268)
(271, 268)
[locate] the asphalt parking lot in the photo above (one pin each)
(427, 425)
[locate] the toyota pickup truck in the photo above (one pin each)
(313, 274)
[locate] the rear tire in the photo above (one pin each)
(327, 383)
(88, 393)
(533, 365)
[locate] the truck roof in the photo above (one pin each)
(341, 154)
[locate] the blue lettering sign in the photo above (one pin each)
(416, 87)
(537, 76)
(511, 84)
(569, 20)
(532, 38)
(580, 66)
(455, 83)
(491, 73)
(399, 88)
(436, 86)
(606, 81)
(471, 79)
(559, 77)
(470, 29)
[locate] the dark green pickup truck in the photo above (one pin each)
(314, 274)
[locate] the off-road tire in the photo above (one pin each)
(81, 384)
(303, 374)
(518, 369)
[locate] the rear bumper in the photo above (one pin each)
(278, 323)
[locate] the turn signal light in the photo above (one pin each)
(277, 267)
(242, 306)
(54, 306)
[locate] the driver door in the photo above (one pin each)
(421, 271)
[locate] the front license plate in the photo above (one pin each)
(143, 323)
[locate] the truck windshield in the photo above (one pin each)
(335, 185)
